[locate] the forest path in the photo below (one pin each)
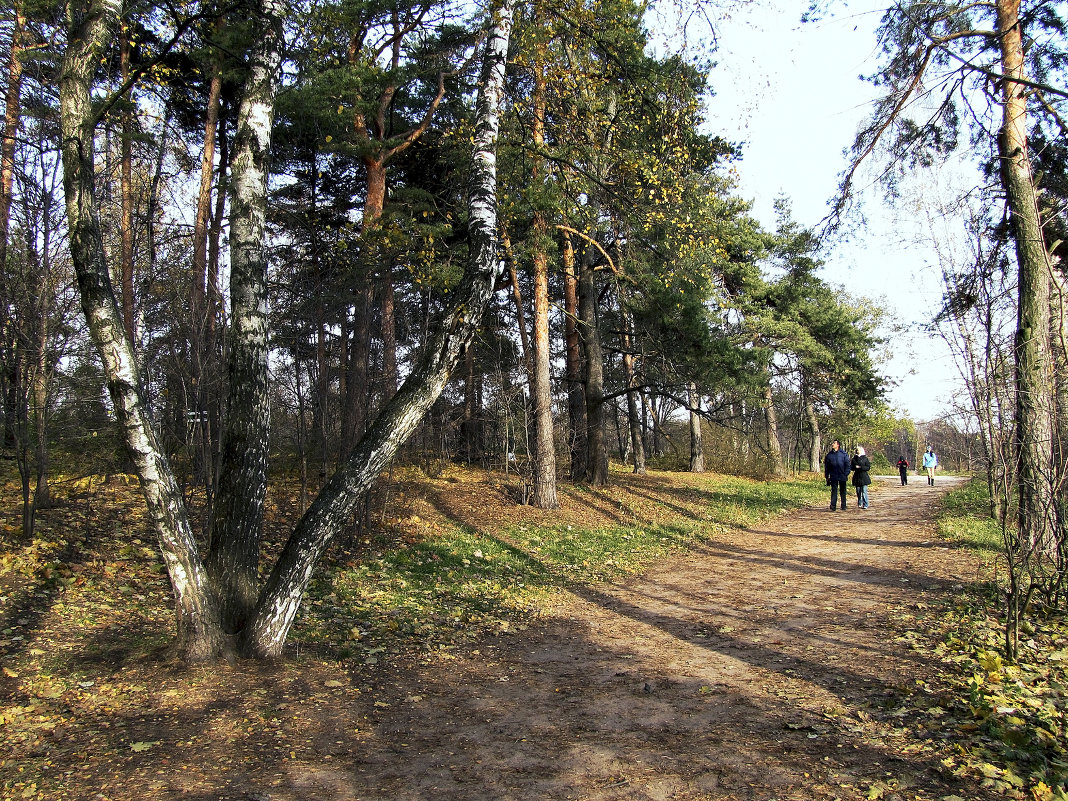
(769, 664)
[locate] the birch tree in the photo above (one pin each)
(219, 605)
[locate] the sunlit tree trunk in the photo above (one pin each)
(266, 633)
(126, 259)
(1034, 402)
(771, 419)
(541, 389)
(90, 27)
(233, 556)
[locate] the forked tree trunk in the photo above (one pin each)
(266, 633)
(199, 632)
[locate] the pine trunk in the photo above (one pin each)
(12, 119)
(771, 419)
(576, 398)
(815, 450)
(590, 335)
(541, 388)
(1034, 429)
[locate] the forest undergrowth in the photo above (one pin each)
(1012, 715)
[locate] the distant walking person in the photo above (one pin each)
(836, 467)
(903, 470)
(930, 464)
(861, 465)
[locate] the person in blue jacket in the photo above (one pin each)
(930, 464)
(836, 468)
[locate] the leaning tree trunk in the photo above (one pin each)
(126, 260)
(266, 633)
(1034, 403)
(91, 26)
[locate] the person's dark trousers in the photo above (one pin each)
(904, 478)
(838, 488)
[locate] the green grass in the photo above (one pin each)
(965, 519)
(457, 583)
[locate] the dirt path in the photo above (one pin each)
(765, 666)
(770, 664)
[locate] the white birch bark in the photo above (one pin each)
(233, 557)
(90, 27)
(266, 632)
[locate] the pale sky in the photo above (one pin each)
(791, 94)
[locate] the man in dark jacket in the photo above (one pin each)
(903, 469)
(836, 467)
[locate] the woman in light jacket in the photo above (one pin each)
(930, 464)
(861, 465)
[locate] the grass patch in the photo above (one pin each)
(965, 519)
(436, 580)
